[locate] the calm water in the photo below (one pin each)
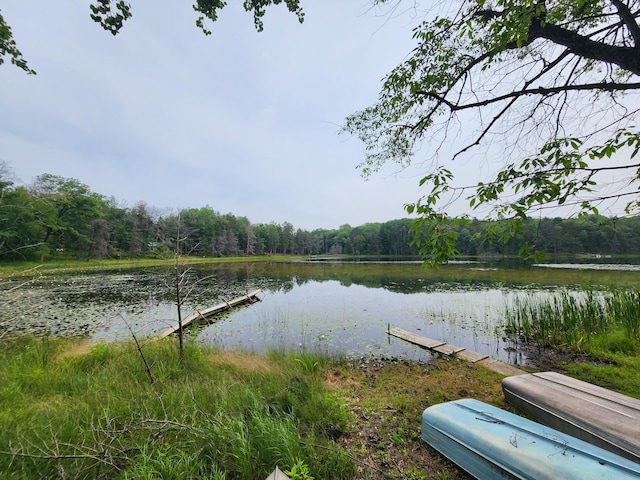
(352, 320)
(336, 308)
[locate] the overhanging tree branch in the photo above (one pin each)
(603, 86)
(518, 71)
(628, 58)
(629, 19)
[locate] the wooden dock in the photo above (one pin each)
(451, 350)
(251, 297)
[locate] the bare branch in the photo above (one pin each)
(603, 86)
(629, 19)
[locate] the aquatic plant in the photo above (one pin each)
(573, 321)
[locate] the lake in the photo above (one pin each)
(335, 307)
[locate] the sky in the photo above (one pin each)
(244, 122)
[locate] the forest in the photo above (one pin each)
(61, 218)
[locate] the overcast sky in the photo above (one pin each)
(241, 121)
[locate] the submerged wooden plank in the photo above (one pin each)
(491, 443)
(415, 339)
(586, 411)
(471, 356)
(448, 349)
(224, 306)
(435, 345)
(460, 352)
(208, 312)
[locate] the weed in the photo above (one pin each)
(397, 438)
(414, 474)
(444, 476)
(299, 471)
(577, 322)
(98, 416)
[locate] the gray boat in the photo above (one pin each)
(591, 413)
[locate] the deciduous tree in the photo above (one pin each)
(67, 210)
(542, 92)
(112, 15)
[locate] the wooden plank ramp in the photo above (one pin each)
(451, 350)
(250, 297)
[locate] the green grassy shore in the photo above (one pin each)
(72, 410)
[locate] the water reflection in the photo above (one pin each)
(352, 320)
(592, 266)
(332, 307)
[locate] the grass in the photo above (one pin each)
(212, 415)
(579, 323)
(72, 410)
(601, 332)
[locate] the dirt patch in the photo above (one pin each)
(547, 360)
(77, 348)
(243, 362)
(387, 398)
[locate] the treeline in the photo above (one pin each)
(59, 217)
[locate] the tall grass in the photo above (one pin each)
(625, 306)
(209, 415)
(578, 322)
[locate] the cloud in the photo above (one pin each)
(243, 121)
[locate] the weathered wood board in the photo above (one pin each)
(208, 312)
(436, 345)
(415, 339)
(597, 415)
(461, 353)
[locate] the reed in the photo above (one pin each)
(575, 322)
(208, 415)
(625, 307)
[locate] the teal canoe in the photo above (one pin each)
(491, 443)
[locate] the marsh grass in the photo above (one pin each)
(209, 415)
(366, 273)
(588, 322)
(60, 266)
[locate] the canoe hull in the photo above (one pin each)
(594, 414)
(491, 443)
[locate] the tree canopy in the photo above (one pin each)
(9, 48)
(539, 92)
(112, 14)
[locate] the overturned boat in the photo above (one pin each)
(491, 443)
(591, 413)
